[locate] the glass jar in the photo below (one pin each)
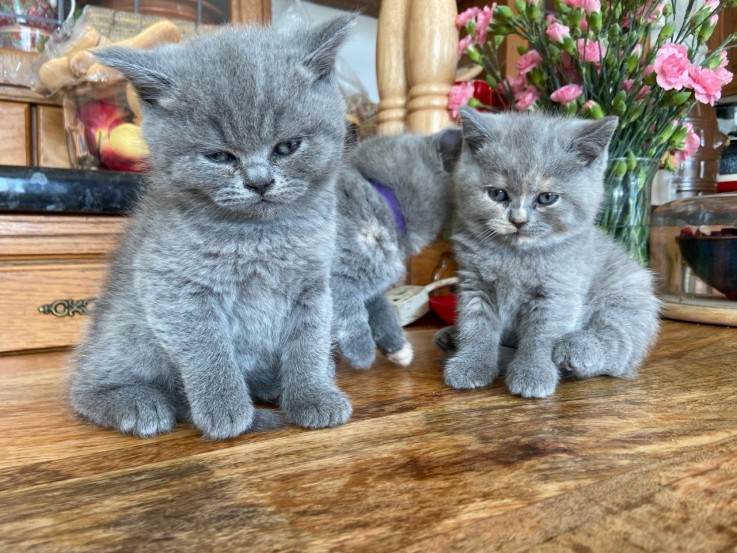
(102, 126)
(693, 251)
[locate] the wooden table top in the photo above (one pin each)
(604, 465)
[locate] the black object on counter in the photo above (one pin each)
(39, 189)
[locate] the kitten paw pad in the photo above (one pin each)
(462, 374)
(320, 410)
(531, 382)
(403, 357)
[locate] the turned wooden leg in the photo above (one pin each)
(390, 72)
(431, 60)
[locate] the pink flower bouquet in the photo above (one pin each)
(594, 58)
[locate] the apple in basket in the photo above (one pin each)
(123, 148)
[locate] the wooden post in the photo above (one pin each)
(250, 11)
(432, 46)
(390, 72)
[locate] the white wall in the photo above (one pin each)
(358, 54)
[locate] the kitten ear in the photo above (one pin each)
(141, 68)
(324, 43)
(592, 142)
(475, 132)
(448, 143)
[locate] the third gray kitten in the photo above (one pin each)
(535, 270)
(219, 293)
(394, 196)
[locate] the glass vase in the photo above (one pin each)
(625, 211)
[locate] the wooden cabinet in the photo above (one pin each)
(15, 133)
(726, 26)
(51, 269)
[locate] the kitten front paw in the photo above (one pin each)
(464, 374)
(359, 350)
(319, 408)
(580, 354)
(225, 417)
(403, 357)
(531, 379)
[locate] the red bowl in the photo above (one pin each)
(445, 308)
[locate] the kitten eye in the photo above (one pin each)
(547, 198)
(498, 195)
(221, 157)
(287, 147)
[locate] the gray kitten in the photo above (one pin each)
(220, 290)
(394, 196)
(535, 270)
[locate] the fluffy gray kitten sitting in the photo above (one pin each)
(394, 196)
(535, 270)
(220, 290)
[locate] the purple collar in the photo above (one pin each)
(391, 200)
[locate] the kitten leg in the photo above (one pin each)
(445, 338)
(137, 409)
(351, 329)
(611, 346)
(478, 332)
(387, 333)
(309, 395)
(191, 330)
(532, 373)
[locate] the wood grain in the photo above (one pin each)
(58, 236)
(51, 143)
(604, 465)
(15, 133)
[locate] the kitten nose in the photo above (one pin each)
(260, 186)
(258, 177)
(519, 224)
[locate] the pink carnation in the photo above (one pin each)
(644, 90)
(529, 61)
(463, 18)
(482, 22)
(692, 143)
(567, 94)
(711, 4)
(517, 84)
(706, 84)
(587, 5)
(550, 18)
(671, 66)
(722, 72)
(527, 98)
(458, 96)
(464, 44)
(591, 50)
(557, 32)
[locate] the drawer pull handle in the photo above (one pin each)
(66, 308)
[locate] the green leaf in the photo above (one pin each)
(666, 32)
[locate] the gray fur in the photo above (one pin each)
(371, 250)
(559, 289)
(219, 293)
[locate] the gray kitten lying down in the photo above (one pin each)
(219, 292)
(394, 196)
(535, 270)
